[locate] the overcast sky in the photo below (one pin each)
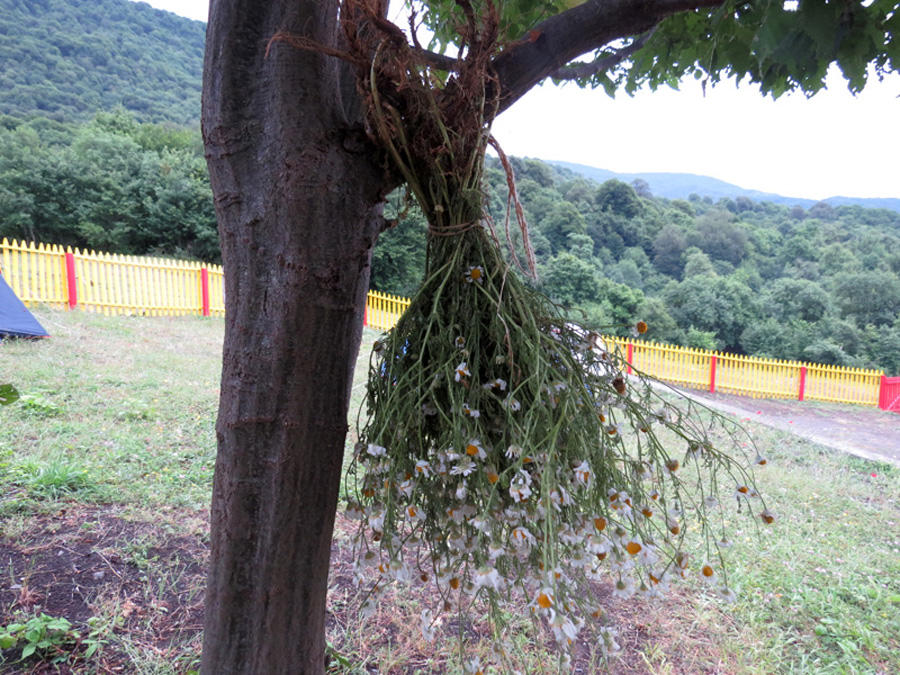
(832, 144)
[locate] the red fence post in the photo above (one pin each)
(882, 393)
(71, 280)
(629, 357)
(712, 374)
(204, 289)
(802, 382)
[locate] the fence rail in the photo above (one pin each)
(116, 284)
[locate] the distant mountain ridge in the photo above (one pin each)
(680, 185)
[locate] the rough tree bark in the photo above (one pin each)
(297, 188)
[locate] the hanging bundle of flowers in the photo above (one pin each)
(504, 452)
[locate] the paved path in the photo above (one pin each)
(863, 431)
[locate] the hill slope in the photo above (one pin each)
(68, 59)
(680, 185)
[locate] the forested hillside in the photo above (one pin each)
(818, 284)
(68, 59)
(112, 184)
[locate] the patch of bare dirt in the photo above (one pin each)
(146, 580)
(141, 579)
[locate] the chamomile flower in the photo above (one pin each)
(496, 383)
(427, 626)
(512, 404)
(564, 630)
(376, 450)
(474, 449)
(607, 642)
(544, 598)
(462, 372)
(726, 594)
(522, 539)
(414, 513)
(582, 473)
(471, 412)
(496, 550)
(475, 274)
(367, 609)
(488, 576)
(560, 498)
(614, 429)
(464, 467)
(473, 666)
(513, 452)
(520, 486)
(624, 587)
(460, 342)
(707, 573)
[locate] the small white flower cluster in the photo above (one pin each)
(470, 494)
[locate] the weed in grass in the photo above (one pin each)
(135, 410)
(54, 478)
(52, 639)
(38, 405)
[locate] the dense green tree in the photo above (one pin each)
(619, 199)
(561, 220)
(720, 305)
(789, 299)
(871, 297)
(696, 263)
(720, 237)
(570, 280)
(399, 258)
(668, 248)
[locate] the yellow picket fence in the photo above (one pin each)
(108, 283)
(751, 375)
(383, 310)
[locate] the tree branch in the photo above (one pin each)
(564, 37)
(578, 71)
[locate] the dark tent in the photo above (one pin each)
(15, 319)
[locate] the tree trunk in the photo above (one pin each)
(297, 190)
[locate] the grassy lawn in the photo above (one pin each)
(105, 471)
